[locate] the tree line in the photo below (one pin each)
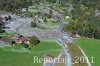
(12, 5)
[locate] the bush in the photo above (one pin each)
(45, 20)
(34, 41)
(33, 24)
(30, 14)
(25, 45)
(9, 17)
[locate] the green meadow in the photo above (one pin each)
(92, 49)
(19, 56)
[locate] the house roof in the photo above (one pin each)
(22, 39)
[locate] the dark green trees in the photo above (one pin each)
(45, 20)
(85, 22)
(12, 5)
(1, 24)
(34, 41)
(33, 24)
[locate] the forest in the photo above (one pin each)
(85, 18)
(12, 5)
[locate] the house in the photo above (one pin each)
(22, 40)
(67, 17)
(75, 35)
(19, 38)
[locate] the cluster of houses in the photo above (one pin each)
(19, 39)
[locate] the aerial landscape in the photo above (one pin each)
(49, 32)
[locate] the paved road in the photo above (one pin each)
(62, 44)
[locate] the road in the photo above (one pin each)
(65, 49)
(61, 42)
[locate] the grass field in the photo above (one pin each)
(4, 34)
(19, 56)
(92, 49)
(62, 63)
